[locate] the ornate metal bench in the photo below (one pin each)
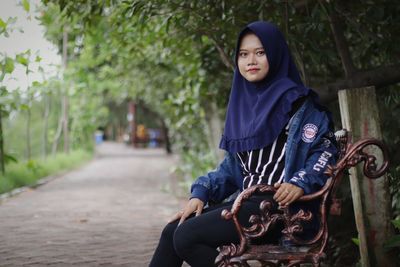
(311, 251)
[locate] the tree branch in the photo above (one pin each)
(341, 43)
(378, 77)
(302, 3)
(224, 57)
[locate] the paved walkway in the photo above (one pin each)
(108, 213)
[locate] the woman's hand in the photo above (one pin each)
(287, 193)
(193, 205)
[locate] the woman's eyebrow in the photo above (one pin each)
(245, 49)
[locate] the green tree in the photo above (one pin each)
(176, 56)
(7, 65)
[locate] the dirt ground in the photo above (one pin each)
(110, 212)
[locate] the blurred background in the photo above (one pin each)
(157, 73)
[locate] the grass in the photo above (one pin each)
(28, 173)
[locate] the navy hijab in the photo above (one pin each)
(258, 112)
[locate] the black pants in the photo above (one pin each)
(196, 239)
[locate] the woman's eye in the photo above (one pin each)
(242, 54)
(260, 53)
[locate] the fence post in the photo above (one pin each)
(371, 198)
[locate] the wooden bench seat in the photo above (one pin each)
(299, 251)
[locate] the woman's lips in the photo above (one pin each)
(253, 70)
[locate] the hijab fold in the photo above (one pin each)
(258, 112)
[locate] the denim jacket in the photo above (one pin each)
(310, 148)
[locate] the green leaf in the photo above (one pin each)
(36, 84)
(32, 164)
(26, 5)
(11, 20)
(9, 65)
(393, 242)
(5, 100)
(396, 223)
(3, 24)
(356, 241)
(24, 107)
(8, 158)
(38, 59)
(22, 60)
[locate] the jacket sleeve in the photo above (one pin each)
(323, 152)
(219, 183)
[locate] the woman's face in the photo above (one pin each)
(252, 59)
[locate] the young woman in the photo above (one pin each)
(275, 133)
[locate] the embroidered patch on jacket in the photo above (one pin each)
(309, 132)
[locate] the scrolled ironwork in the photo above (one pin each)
(355, 154)
(226, 253)
(239, 255)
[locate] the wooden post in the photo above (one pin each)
(371, 198)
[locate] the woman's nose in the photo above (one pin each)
(252, 59)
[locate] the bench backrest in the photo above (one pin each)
(349, 156)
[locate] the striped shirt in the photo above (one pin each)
(266, 165)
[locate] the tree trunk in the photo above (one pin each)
(341, 43)
(65, 121)
(58, 132)
(2, 160)
(132, 121)
(45, 124)
(28, 119)
(28, 131)
(65, 97)
(371, 198)
(214, 129)
(166, 137)
(57, 137)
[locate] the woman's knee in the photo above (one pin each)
(167, 233)
(183, 240)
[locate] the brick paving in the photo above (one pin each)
(107, 213)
